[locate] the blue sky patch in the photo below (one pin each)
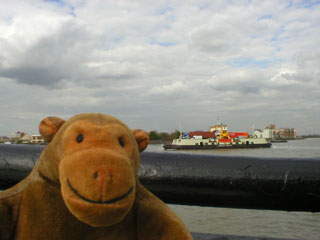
(57, 1)
(310, 3)
(267, 16)
(304, 4)
(61, 3)
(276, 35)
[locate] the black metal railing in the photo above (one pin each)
(220, 181)
(204, 180)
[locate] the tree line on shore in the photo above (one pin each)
(163, 136)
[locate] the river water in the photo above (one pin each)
(260, 223)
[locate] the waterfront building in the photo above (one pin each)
(18, 135)
(36, 139)
(258, 133)
(271, 126)
(24, 139)
(268, 133)
(271, 132)
(4, 139)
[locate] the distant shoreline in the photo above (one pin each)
(159, 141)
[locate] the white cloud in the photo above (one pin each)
(162, 61)
(169, 89)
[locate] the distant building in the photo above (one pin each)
(18, 135)
(4, 139)
(285, 133)
(268, 133)
(271, 126)
(22, 137)
(25, 139)
(271, 132)
(36, 139)
(258, 133)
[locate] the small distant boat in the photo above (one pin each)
(217, 138)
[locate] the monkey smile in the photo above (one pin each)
(113, 200)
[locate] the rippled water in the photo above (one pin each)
(228, 221)
(277, 224)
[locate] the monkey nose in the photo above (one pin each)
(103, 178)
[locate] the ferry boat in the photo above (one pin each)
(218, 137)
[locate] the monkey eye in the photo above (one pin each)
(121, 142)
(79, 138)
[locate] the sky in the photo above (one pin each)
(157, 65)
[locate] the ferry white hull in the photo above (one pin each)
(196, 144)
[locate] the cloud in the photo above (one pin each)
(216, 40)
(168, 89)
(33, 75)
(50, 59)
(157, 64)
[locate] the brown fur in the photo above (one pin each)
(85, 186)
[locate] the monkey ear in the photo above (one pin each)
(49, 127)
(142, 139)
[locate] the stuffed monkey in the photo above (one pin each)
(85, 186)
